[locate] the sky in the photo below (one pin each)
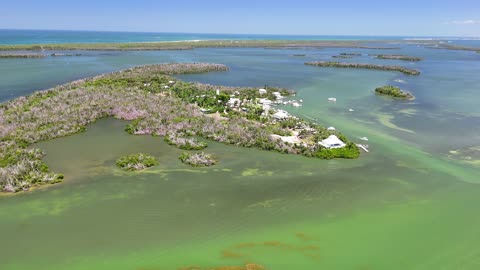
(300, 17)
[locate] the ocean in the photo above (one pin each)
(11, 37)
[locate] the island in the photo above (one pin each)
(65, 54)
(449, 46)
(351, 54)
(157, 104)
(393, 91)
(347, 55)
(397, 57)
(198, 159)
(22, 55)
(136, 162)
(404, 70)
(342, 56)
(188, 45)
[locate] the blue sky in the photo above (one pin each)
(340, 17)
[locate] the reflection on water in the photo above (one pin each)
(408, 204)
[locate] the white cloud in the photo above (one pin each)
(464, 22)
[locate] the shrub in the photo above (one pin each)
(185, 143)
(198, 159)
(393, 91)
(136, 162)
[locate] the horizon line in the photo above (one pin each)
(216, 33)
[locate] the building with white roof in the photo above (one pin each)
(280, 115)
(232, 102)
(277, 95)
(265, 101)
(332, 142)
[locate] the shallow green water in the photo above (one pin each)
(406, 205)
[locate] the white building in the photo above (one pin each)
(332, 142)
(262, 91)
(232, 102)
(280, 115)
(277, 95)
(265, 101)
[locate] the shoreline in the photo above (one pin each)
(397, 57)
(19, 55)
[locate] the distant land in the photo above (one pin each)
(37, 40)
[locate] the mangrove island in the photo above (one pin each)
(22, 55)
(397, 57)
(404, 70)
(198, 159)
(393, 91)
(156, 104)
(136, 162)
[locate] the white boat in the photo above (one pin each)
(363, 147)
(364, 139)
(332, 99)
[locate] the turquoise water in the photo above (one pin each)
(50, 36)
(410, 203)
(445, 91)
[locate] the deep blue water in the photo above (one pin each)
(54, 36)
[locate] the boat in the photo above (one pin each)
(363, 147)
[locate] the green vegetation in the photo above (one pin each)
(351, 54)
(26, 55)
(185, 143)
(198, 159)
(65, 54)
(393, 91)
(136, 162)
(25, 165)
(350, 151)
(404, 70)
(397, 57)
(342, 56)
